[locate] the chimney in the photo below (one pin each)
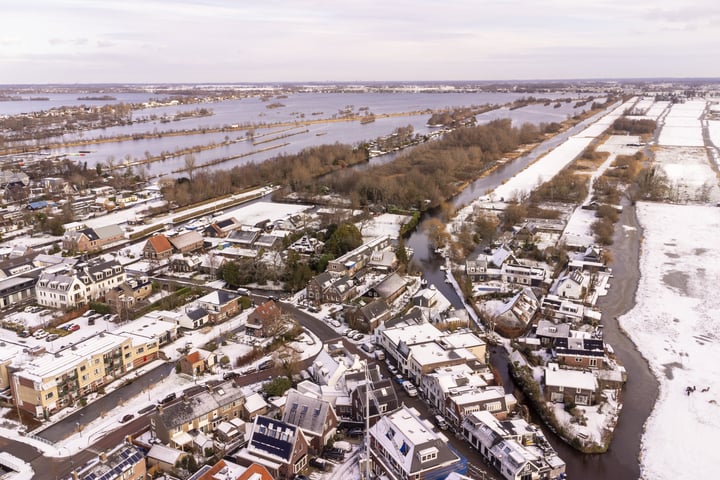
(160, 409)
(103, 457)
(75, 475)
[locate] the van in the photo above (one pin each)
(379, 355)
(440, 422)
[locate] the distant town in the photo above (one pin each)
(300, 282)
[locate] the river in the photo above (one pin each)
(621, 461)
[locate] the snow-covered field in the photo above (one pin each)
(682, 125)
(385, 224)
(688, 170)
(548, 166)
(676, 325)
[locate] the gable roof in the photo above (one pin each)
(267, 310)
(274, 438)
(159, 243)
(185, 239)
(108, 231)
(306, 412)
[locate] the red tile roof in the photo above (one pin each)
(160, 243)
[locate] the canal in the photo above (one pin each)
(622, 459)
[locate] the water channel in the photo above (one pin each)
(621, 461)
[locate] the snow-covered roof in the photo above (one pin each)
(562, 377)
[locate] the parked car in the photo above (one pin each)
(399, 378)
(266, 364)
(243, 291)
(71, 327)
(358, 336)
(409, 388)
(127, 418)
(24, 334)
(334, 454)
(89, 313)
(249, 370)
(379, 355)
(40, 334)
(168, 398)
(355, 432)
(52, 337)
(318, 463)
(440, 422)
(351, 333)
(368, 347)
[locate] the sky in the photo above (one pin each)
(199, 41)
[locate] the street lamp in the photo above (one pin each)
(77, 425)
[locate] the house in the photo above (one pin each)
(220, 305)
(404, 446)
(517, 273)
(255, 405)
(569, 386)
(187, 242)
(227, 470)
(203, 409)
(327, 288)
(244, 238)
(383, 261)
(315, 417)
(565, 310)
(331, 365)
(353, 261)
(197, 362)
(515, 448)
(92, 239)
(478, 269)
(307, 245)
(185, 263)
(124, 462)
(367, 317)
(513, 317)
(276, 445)
(582, 351)
(69, 286)
(164, 458)
(574, 285)
(222, 228)
(128, 294)
(396, 341)
(264, 320)
(382, 397)
(157, 247)
(389, 289)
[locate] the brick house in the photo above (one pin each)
(157, 247)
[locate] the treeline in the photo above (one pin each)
(634, 126)
(297, 171)
(432, 172)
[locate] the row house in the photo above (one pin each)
(404, 446)
(202, 411)
(124, 462)
(515, 448)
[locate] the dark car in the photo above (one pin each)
(266, 364)
(334, 454)
(127, 418)
(355, 432)
(318, 463)
(168, 398)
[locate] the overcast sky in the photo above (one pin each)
(145, 41)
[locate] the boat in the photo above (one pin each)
(423, 282)
(443, 267)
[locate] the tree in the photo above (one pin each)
(435, 229)
(231, 274)
(190, 165)
(344, 238)
(277, 387)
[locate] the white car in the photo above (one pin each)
(40, 333)
(409, 388)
